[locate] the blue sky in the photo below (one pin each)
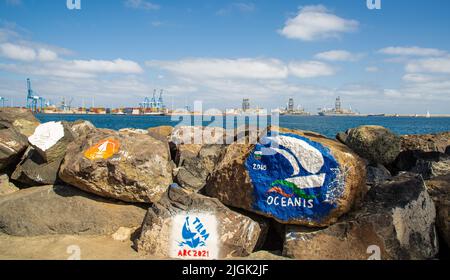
(115, 52)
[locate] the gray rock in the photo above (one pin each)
(21, 119)
(430, 168)
(377, 144)
(33, 170)
(12, 145)
(50, 210)
(222, 232)
(81, 128)
(6, 187)
(377, 174)
(126, 166)
(397, 221)
(194, 170)
(439, 190)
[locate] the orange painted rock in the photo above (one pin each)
(131, 167)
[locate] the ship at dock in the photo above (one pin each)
(337, 111)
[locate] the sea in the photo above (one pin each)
(328, 126)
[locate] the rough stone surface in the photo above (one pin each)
(439, 190)
(375, 143)
(236, 235)
(81, 128)
(194, 170)
(33, 170)
(232, 184)
(433, 167)
(128, 167)
(6, 187)
(133, 130)
(377, 174)
(21, 119)
(50, 140)
(12, 145)
(398, 217)
(51, 210)
(426, 142)
(162, 131)
(198, 135)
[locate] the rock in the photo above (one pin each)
(439, 190)
(123, 234)
(133, 130)
(162, 131)
(342, 137)
(21, 119)
(263, 256)
(397, 222)
(12, 145)
(81, 128)
(191, 226)
(50, 140)
(52, 210)
(377, 174)
(124, 166)
(186, 151)
(194, 170)
(33, 170)
(433, 167)
(295, 177)
(198, 135)
(375, 143)
(6, 187)
(426, 143)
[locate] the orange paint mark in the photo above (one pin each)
(103, 149)
(279, 191)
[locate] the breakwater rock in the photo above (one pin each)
(208, 193)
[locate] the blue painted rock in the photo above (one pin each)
(295, 177)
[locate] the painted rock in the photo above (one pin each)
(50, 140)
(295, 177)
(12, 145)
(187, 225)
(397, 222)
(131, 167)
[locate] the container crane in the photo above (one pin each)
(3, 100)
(33, 100)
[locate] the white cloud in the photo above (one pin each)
(103, 66)
(317, 22)
(243, 68)
(419, 78)
(47, 55)
(338, 55)
(17, 52)
(412, 51)
(141, 4)
(372, 69)
(311, 69)
(429, 65)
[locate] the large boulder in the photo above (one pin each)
(131, 167)
(193, 171)
(296, 177)
(6, 187)
(81, 128)
(21, 119)
(187, 225)
(161, 131)
(50, 140)
(377, 174)
(377, 144)
(12, 145)
(397, 222)
(33, 170)
(439, 190)
(50, 210)
(435, 166)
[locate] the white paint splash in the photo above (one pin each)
(47, 135)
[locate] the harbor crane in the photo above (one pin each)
(154, 104)
(34, 100)
(3, 100)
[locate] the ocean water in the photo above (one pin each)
(328, 126)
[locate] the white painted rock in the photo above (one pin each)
(51, 139)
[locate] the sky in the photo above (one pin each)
(114, 53)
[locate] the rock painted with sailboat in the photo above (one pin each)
(296, 177)
(131, 167)
(187, 225)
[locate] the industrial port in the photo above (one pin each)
(155, 106)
